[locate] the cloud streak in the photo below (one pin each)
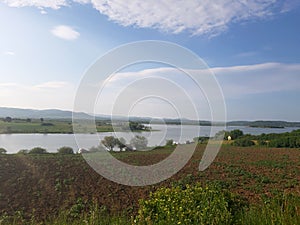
(203, 17)
(9, 53)
(65, 32)
(236, 81)
(53, 94)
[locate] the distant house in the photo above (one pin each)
(229, 138)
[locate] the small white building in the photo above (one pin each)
(82, 150)
(229, 138)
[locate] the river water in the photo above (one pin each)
(15, 142)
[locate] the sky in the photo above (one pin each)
(251, 46)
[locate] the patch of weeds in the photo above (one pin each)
(291, 183)
(58, 185)
(271, 164)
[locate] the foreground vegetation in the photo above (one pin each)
(191, 205)
(249, 185)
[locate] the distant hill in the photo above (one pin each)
(63, 114)
(33, 113)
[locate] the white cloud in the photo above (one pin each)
(193, 16)
(236, 81)
(43, 12)
(288, 5)
(52, 85)
(53, 4)
(10, 53)
(196, 17)
(65, 32)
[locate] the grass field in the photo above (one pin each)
(32, 187)
(47, 126)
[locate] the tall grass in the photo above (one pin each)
(283, 209)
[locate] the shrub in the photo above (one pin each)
(23, 151)
(169, 142)
(47, 124)
(262, 143)
(139, 142)
(37, 150)
(3, 151)
(65, 150)
(286, 142)
(234, 134)
(193, 205)
(243, 143)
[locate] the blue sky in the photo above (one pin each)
(252, 46)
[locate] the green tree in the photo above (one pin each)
(169, 142)
(136, 126)
(139, 142)
(121, 143)
(38, 150)
(23, 151)
(109, 142)
(3, 151)
(234, 134)
(65, 150)
(7, 119)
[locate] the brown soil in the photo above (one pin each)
(42, 185)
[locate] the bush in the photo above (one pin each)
(3, 151)
(262, 143)
(234, 134)
(243, 143)
(139, 142)
(38, 150)
(23, 151)
(65, 150)
(193, 205)
(169, 142)
(286, 142)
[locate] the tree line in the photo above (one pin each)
(275, 140)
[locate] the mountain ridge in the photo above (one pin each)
(66, 114)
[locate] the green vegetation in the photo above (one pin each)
(109, 142)
(78, 214)
(38, 150)
(3, 151)
(283, 209)
(280, 140)
(243, 142)
(139, 142)
(65, 150)
(263, 184)
(212, 205)
(10, 125)
(193, 205)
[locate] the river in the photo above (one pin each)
(15, 142)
